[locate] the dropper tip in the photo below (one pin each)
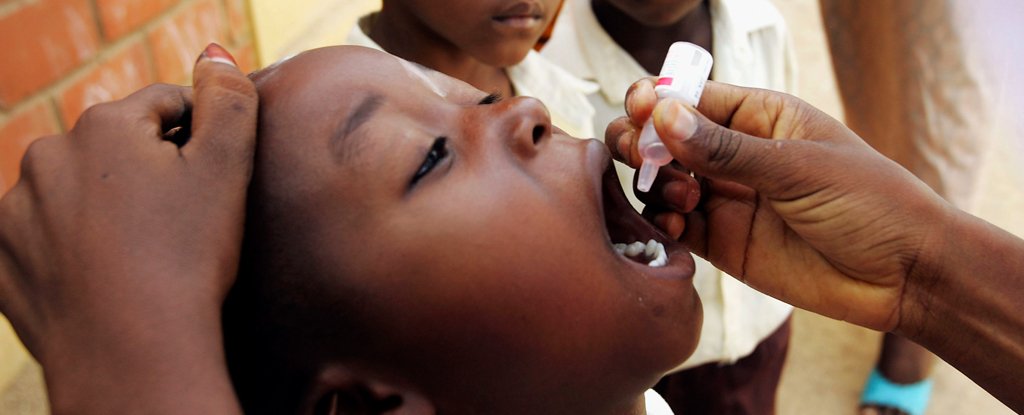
(648, 172)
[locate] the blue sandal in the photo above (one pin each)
(911, 398)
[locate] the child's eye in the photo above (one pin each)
(490, 99)
(438, 151)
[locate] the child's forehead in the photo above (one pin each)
(436, 82)
(351, 70)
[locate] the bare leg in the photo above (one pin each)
(901, 361)
(912, 90)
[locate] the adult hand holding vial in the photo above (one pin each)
(683, 75)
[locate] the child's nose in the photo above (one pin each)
(526, 124)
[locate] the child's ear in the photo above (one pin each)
(341, 391)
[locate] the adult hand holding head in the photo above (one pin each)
(799, 207)
(121, 240)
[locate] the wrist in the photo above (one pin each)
(170, 365)
(964, 304)
(930, 267)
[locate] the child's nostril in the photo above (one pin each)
(538, 132)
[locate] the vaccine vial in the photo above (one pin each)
(683, 75)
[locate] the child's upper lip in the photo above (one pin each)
(521, 9)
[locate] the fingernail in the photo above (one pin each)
(681, 122)
(217, 53)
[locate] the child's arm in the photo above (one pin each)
(117, 248)
(813, 216)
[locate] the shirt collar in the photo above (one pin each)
(618, 69)
(732, 23)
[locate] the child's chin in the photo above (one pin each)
(508, 55)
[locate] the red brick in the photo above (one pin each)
(177, 42)
(16, 133)
(238, 20)
(43, 41)
(120, 17)
(114, 78)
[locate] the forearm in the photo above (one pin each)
(965, 305)
(176, 367)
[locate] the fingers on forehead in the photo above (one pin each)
(224, 121)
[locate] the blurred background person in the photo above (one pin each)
(914, 85)
(487, 44)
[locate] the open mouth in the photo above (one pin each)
(637, 240)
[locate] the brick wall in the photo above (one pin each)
(61, 56)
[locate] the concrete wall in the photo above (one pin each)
(286, 28)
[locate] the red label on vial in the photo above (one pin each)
(665, 81)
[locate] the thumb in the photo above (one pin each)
(224, 112)
(711, 150)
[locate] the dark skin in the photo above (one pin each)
(646, 29)
(470, 40)
(877, 248)
(399, 194)
(938, 143)
(960, 298)
(117, 247)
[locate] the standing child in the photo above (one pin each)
(743, 345)
(485, 43)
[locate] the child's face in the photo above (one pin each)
(656, 13)
(467, 238)
(497, 32)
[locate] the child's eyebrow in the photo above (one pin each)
(363, 113)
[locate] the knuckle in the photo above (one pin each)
(723, 147)
(36, 154)
(99, 114)
(773, 103)
(160, 89)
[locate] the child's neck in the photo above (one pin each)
(648, 44)
(405, 36)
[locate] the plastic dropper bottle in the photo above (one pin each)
(683, 75)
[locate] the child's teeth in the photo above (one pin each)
(635, 248)
(653, 251)
(661, 259)
(651, 248)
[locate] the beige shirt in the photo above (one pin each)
(655, 404)
(564, 94)
(751, 48)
